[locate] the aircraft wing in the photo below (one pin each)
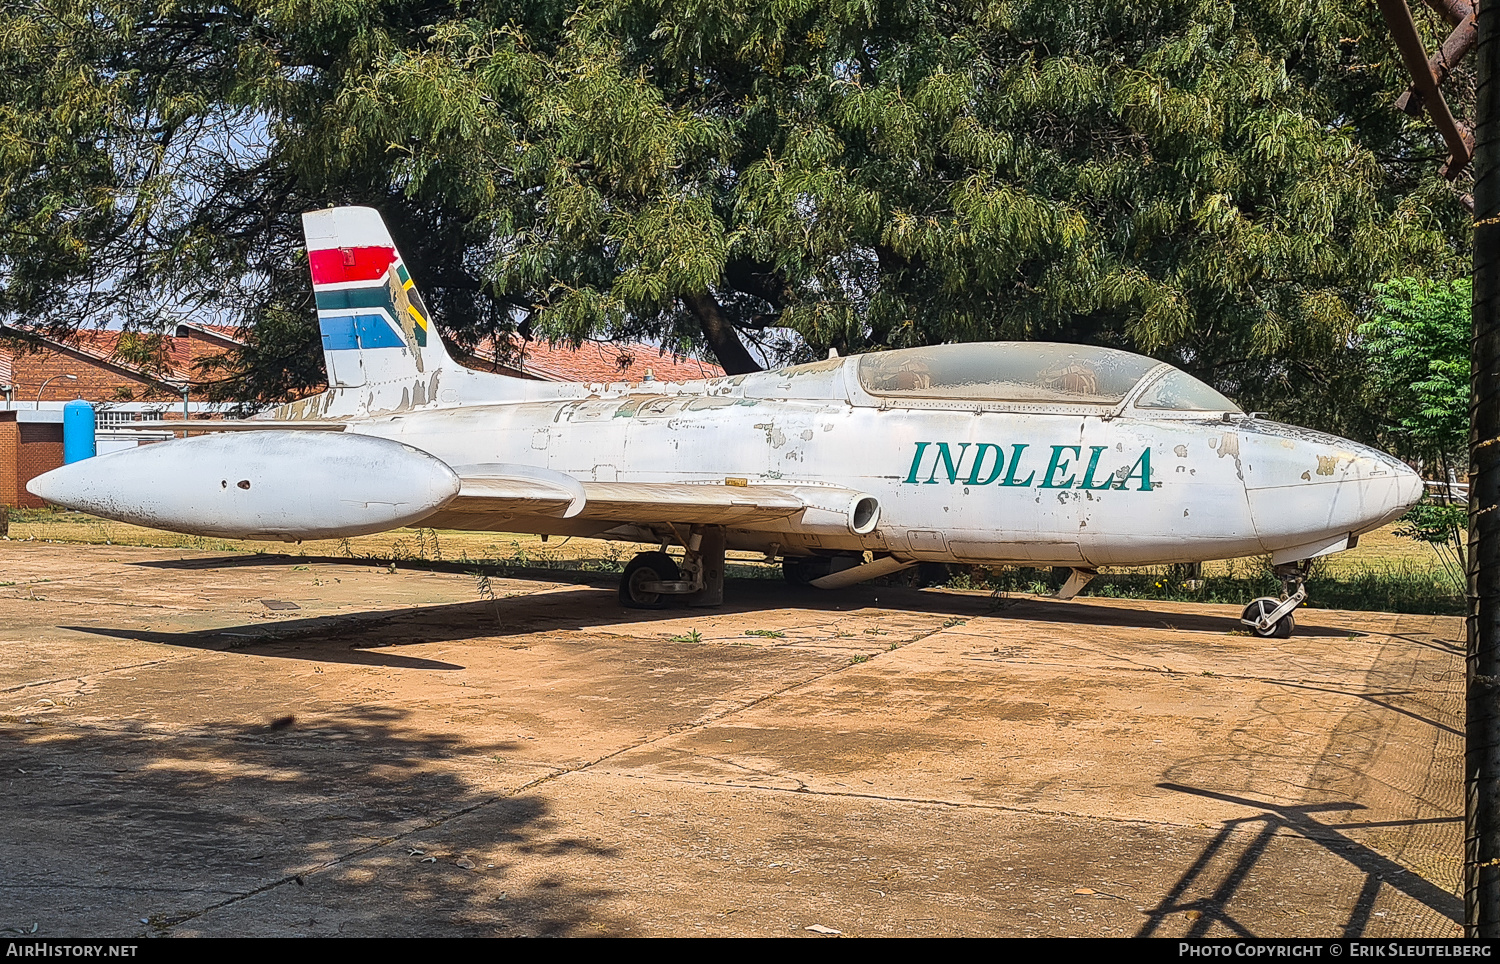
(370, 483)
(689, 502)
(506, 491)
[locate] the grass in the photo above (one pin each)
(1385, 573)
(1399, 585)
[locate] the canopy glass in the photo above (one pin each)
(1034, 372)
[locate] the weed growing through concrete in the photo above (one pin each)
(486, 592)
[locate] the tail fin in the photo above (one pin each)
(375, 327)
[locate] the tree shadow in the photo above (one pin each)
(1378, 870)
(286, 828)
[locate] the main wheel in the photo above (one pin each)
(647, 567)
(1259, 608)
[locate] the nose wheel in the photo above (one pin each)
(1271, 618)
(1260, 616)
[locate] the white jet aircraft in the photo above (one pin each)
(846, 469)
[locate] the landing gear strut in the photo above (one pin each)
(653, 581)
(1271, 618)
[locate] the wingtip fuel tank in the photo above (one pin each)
(258, 485)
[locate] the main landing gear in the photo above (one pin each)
(1271, 618)
(653, 581)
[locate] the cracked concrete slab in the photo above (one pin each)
(409, 753)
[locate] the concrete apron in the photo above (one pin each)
(184, 752)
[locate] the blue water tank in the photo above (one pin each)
(78, 432)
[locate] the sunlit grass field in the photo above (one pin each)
(1386, 572)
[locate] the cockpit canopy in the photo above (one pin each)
(1036, 373)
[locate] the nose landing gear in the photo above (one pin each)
(1271, 618)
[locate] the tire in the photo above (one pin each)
(1282, 629)
(647, 567)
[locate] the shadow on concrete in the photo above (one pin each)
(1078, 612)
(1378, 870)
(283, 829)
(756, 595)
(291, 639)
(1383, 699)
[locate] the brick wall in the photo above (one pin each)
(27, 449)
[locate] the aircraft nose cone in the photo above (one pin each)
(1409, 487)
(1387, 487)
(1308, 490)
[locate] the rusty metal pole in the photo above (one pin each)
(1482, 743)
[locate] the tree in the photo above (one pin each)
(1416, 350)
(1220, 185)
(1417, 347)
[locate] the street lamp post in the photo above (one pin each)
(39, 391)
(184, 388)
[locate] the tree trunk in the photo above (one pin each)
(1482, 750)
(726, 344)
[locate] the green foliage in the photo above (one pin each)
(1445, 527)
(1217, 184)
(1417, 344)
(1434, 522)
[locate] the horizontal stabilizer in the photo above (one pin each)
(206, 426)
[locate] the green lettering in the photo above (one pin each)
(1088, 477)
(1144, 465)
(979, 461)
(1015, 461)
(916, 461)
(945, 456)
(1059, 463)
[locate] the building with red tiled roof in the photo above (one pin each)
(126, 377)
(106, 368)
(110, 368)
(131, 377)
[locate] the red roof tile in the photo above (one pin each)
(599, 361)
